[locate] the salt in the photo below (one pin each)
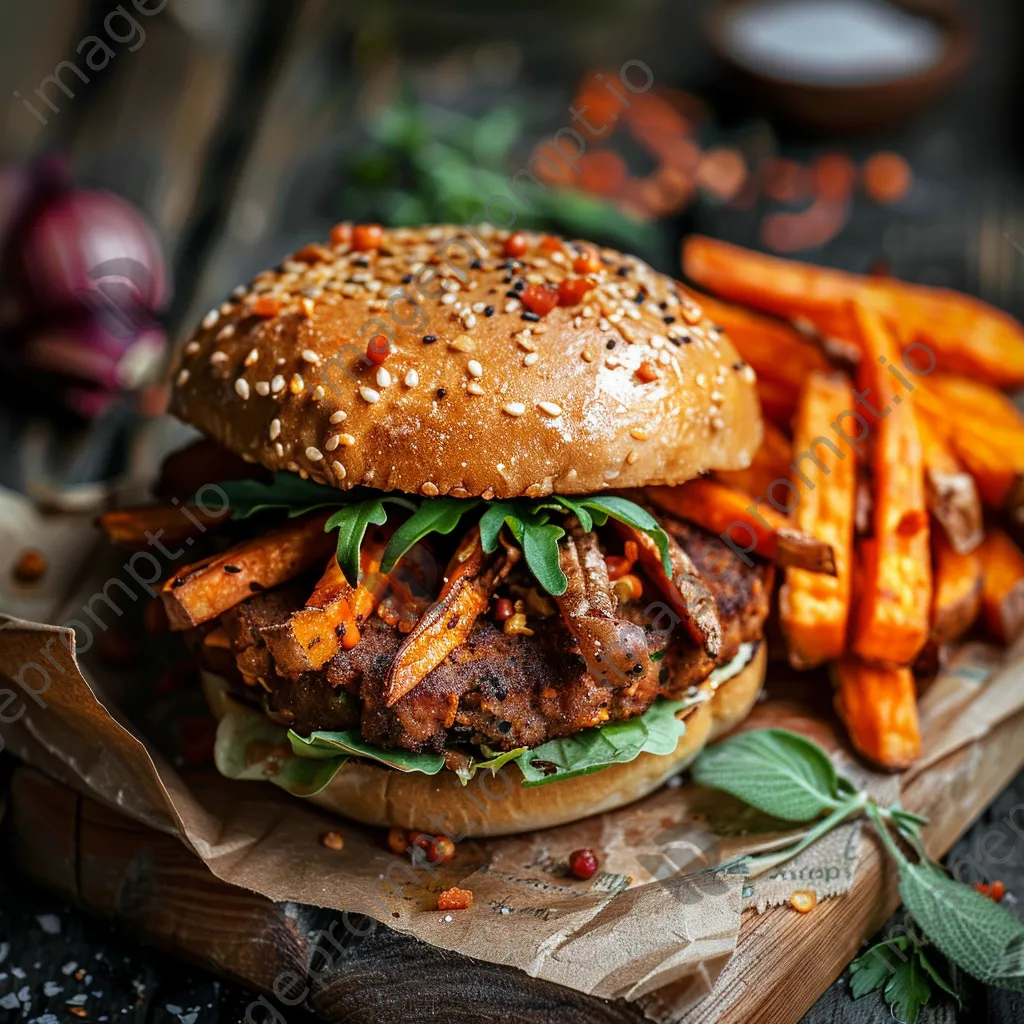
(832, 42)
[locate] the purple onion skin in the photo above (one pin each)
(93, 250)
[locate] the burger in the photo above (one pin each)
(425, 582)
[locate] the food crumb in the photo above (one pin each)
(804, 900)
(455, 899)
(30, 566)
(333, 840)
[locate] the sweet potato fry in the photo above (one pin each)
(1002, 592)
(773, 348)
(965, 335)
(472, 576)
(771, 463)
(685, 590)
(814, 608)
(170, 524)
(778, 400)
(957, 598)
(749, 525)
(332, 615)
(989, 453)
(879, 708)
(892, 619)
(984, 403)
(205, 589)
(950, 491)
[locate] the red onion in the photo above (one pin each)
(96, 249)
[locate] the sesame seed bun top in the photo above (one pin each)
(503, 374)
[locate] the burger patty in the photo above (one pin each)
(498, 690)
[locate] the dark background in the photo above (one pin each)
(244, 129)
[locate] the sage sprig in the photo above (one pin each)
(790, 777)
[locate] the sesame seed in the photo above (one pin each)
(211, 318)
(429, 339)
(347, 440)
(412, 378)
(639, 435)
(262, 387)
(183, 378)
(277, 383)
(332, 442)
(242, 388)
(218, 357)
(468, 320)
(338, 469)
(511, 306)
(474, 368)
(252, 357)
(448, 298)
(632, 457)
(430, 490)
(587, 356)
(368, 394)
(339, 416)
(514, 408)
(530, 358)
(383, 378)
(472, 388)
(310, 356)
(463, 343)
(275, 429)
(701, 380)
(319, 391)
(296, 384)
(551, 408)
(192, 348)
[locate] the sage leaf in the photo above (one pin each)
(871, 971)
(972, 931)
(779, 772)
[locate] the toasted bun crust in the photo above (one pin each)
(628, 386)
(500, 805)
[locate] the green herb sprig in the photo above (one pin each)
(528, 520)
(789, 777)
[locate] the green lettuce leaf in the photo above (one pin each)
(286, 491)
(348, 743)
(440, 515)
(249, 746)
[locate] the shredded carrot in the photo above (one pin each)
(879, 708)
(814, 608)
(892, 620)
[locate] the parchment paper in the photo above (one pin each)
(654, 918)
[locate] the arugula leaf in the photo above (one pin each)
(286, 491)
(494, 762)
(528, 523)
(350, 743)
(440, 515)
(351, 522)
(656, 731)
(613, 506)
(975, 933)
(249, 746)
(777, 771)
(497, 515)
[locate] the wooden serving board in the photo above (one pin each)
(112, 866)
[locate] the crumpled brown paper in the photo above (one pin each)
(654, 919)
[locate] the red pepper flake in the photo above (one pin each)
(313, 253)
(515, 245)
(996, 891)
(572, 290)
(266, 305)
(550, 244)
(378, 349)
(30, 566)
(583, 863)
(587, 262)
(540, 298)
(647, 372)
(503, 609)
(366, 237)
(341, 234)
(455, 899)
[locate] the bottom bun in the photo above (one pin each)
(497, 805)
